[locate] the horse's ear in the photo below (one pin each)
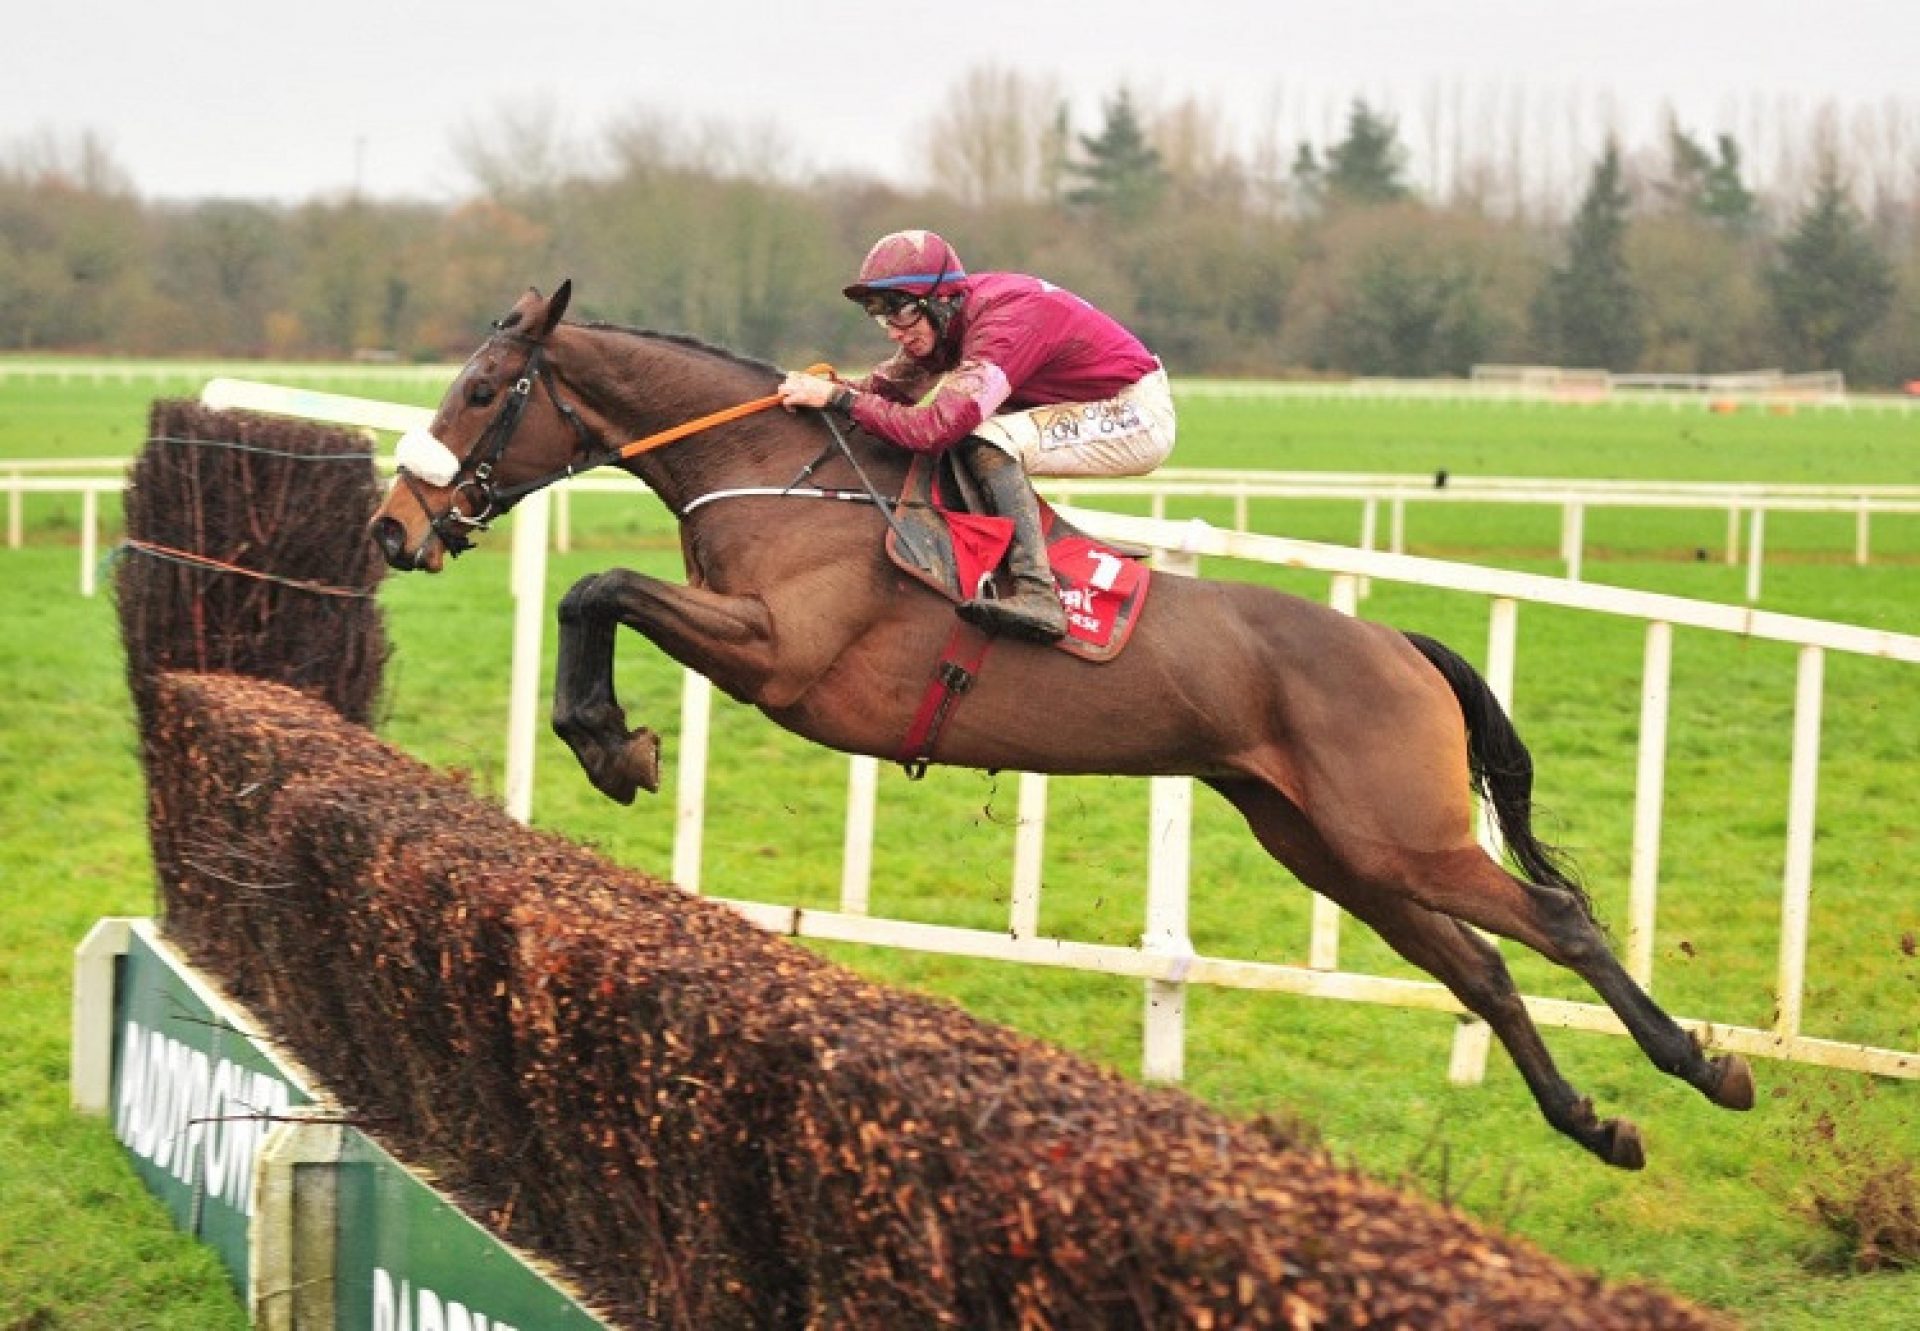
(557, 306)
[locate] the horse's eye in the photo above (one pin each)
(481, 394)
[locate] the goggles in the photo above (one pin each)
(894, 310)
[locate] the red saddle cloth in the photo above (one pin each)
(1101, 589)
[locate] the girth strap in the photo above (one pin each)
(953, 675)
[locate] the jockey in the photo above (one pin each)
(1024, 377)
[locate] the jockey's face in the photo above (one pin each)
(916, 339)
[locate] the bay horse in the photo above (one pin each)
(1351, 749)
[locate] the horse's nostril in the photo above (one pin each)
(390, 536)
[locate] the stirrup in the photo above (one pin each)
(1017, 616)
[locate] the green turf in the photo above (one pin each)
(1723, 1212)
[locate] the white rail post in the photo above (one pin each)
(529, 583)
(562, 520)
(690, 779)
(856, 854)
(89, 538)
(1797, 890)
(1369, 533)
(1397, 526)
(1756, 536)
(1649, 798)
(1323, 946)
(1170, 818)
(1163, 1056)
(1862, 522)
(1029, 856)
(1733, 535)
(1573, 538)
(1472, 1038)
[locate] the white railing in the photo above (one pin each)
(1166, 959)
(1572, 392)
(198, 372)
(1746, 506)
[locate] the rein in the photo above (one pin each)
(673, 433)
(475, 474)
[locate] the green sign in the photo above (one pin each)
(192, 1097)
(407, 1259)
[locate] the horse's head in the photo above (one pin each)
(502, 430)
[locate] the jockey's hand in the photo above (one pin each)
(806, 390)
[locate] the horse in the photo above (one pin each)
(1352, 750)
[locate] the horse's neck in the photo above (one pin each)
(643, 384)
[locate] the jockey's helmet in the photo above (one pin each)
(915, 263)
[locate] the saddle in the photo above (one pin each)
(940, 537)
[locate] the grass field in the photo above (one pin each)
(1725, 1211)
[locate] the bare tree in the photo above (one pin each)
(524, 151)
(997, 138)
(1196, 150)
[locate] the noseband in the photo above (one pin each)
(473, 481)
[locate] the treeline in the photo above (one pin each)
(1293, 256)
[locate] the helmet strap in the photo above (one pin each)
(940, 311)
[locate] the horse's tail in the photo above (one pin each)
(1502, 768)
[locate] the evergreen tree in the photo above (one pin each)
(1406, 315)
(1366, 167)
(1725, 198)
(1307, 181)
(1707, 186)
(1830, 285)
(1121, 169)
(1588, 310)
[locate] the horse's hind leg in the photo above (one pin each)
(1549, 913)
(1417, 922)
(1472, 969)
(1469, 966)
(1555, 922)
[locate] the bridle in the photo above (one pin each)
(473, 478)
(473, 481)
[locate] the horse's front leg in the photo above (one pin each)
(726, 638)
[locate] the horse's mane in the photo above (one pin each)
(690, 342)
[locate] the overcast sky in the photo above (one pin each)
(289, 102)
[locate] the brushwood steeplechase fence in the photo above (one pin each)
(1166, 960)
(693, 1122)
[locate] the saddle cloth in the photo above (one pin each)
(957, 553)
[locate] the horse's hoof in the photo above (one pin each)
(1734, 1090)
(1623, 1150)
(639, 764)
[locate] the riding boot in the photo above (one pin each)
(1033, 609)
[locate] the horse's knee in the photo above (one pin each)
(581, 601)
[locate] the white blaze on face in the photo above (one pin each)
(426, 457)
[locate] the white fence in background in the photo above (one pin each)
(1166, 959)
(1515, 385)
(1746, 506)
(197, 372)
